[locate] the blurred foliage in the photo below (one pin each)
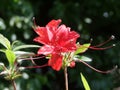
(92, 19)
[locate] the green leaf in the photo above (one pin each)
(83, 58)
(15, 42)
(82, 48)
(87, 59)
(25, 46)
(1, 66)
(5, 42)
(23, 54)
(85, 83)
(2, 50)
(10, 56)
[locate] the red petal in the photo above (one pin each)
(40, 30)
(62, 33)
(45, 35)
(50, 34)
(41, 40)
(66, 39)
(46, 50)
(69, 47)
(55, 62)
(73, 34)
(54, 23)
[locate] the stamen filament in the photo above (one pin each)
(101, 44)
(32, 61)
(37, 66)
(108, 71)
(31, 57)
(96, 48)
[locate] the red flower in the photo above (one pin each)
(56, 40)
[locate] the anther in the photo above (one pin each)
(91, 40)
(21, 68)
(114, 45)
(34, 22)
(33, 18)
(112, 37)
(116, 66)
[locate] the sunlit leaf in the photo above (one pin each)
(85, 83)
(23, 54)
(2, 50)
(1, 66)
(25, 46)
(83, 58)
(82, 48)
(5, 42)
(15, 42)
(87, 59)
(10, 56)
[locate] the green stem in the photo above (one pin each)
(66, 78)
(14, 84)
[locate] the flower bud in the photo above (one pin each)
(72, 64)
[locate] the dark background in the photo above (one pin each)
(96, 19)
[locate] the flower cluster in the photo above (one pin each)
(58, 40)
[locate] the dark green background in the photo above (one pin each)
(96, 19)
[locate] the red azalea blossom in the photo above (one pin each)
(56, 39)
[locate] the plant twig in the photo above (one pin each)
(14, 84)
(66, 78)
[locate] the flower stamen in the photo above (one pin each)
(31, 58)
(101, 44)
(37, 66)
(108, 71)
(96, 48)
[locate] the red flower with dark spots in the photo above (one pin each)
(56, 40)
